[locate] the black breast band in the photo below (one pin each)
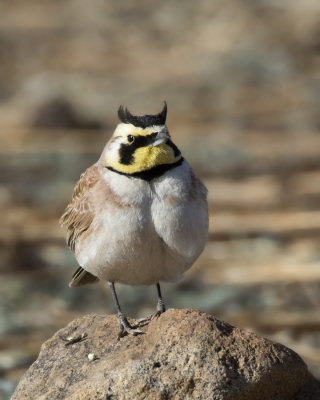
(151, 173)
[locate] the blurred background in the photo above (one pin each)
(241, 79)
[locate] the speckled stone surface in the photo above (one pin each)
(184, 354)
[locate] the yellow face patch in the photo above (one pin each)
(132, 149)
(146, 158)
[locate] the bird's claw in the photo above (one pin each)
(127, 329)
(145, 321)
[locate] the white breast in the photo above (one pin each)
(155, 238)
(180, 217)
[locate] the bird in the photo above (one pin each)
(139, 215)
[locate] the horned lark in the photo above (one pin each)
(139, 215)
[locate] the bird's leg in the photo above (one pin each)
(161, 308)
(124, 324)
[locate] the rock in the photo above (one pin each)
(184, 354)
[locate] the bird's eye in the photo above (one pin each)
(130, 138)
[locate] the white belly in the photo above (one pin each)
(157, 239)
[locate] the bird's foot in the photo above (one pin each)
(126, 328)
(145, 321)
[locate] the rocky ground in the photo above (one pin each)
(185, 354)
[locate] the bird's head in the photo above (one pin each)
(141, 146)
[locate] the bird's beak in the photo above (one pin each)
(161, 137)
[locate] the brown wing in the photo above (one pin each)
(79, 213)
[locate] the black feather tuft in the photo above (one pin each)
(143, 121)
